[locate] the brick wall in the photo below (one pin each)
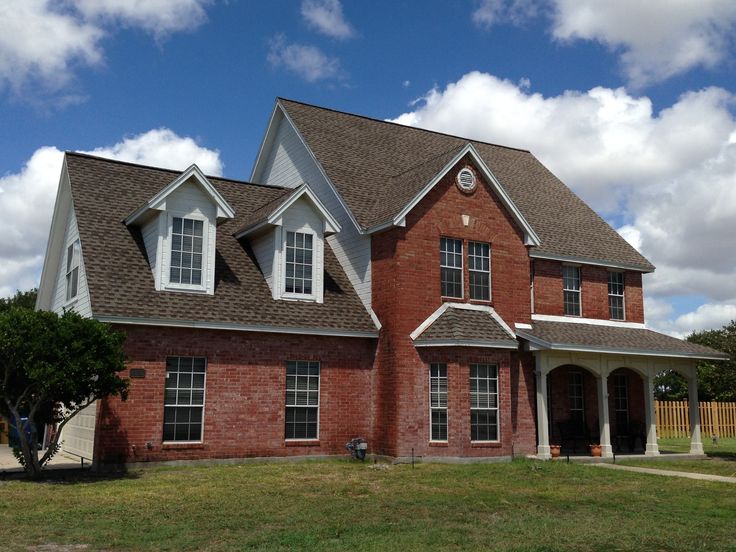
(406, 290)
(548, 296)
(244, 397)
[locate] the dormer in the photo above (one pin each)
(178, 226)
(287, 236)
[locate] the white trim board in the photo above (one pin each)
(468, 343)
(235, 327)
(589, 321)
(461, 306)
(587, 261)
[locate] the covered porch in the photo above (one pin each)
(595, 384)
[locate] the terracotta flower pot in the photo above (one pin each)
(595, 450)
(555, 450)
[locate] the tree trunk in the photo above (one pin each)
(28, 450)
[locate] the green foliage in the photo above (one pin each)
(670, 386)
(21, 299)
(49, 361)
(717, 379)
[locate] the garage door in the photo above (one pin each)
(78, 435)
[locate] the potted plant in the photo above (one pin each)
(595, 450)
(555, 450)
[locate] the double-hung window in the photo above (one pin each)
(184, 398)
(299, 263)
(616, 295)
(438, 402)
(451, 267)
(479, 270)
(571, 289)
(302, 400)
(72, 270)
(186, 251)
(483, 402)
(577, 402)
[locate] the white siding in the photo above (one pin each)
(264, 248)
(78, 435)
(81, 302)
(289, 163)
(152, 233)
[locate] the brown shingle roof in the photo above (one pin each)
(572, 336)
(378, 167)
(464, 325)
(120, 279)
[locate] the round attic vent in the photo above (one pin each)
(466, 180)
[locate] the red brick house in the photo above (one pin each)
(437, 296)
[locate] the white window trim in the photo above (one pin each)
(579, 291)
(72, 300)
(623, 295)
(282, 277)
(461, 268)
(204, 403)
(166, 266)
(447, 407)
(490, 286)
(319, 405)
(498, 404)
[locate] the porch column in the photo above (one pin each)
(650, 416)
(605, 423)
(696, 445)
(542, 398)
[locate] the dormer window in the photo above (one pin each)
(72, 270)
(299, 263)
(186, 251)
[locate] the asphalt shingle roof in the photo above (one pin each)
(378, 167)
(457, 324)
(120, 279)
(599, 337)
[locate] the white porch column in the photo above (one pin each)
(696, 445)
(604, 421)
(542, 398)
(650, 417)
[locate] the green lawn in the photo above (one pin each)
(724, 448)
(342, 505)
(722, 459)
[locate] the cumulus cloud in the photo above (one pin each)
(308, 62)
(670, 175)
(43, 43)
(326, 17)
(491, 12)
(27, 197)
(657, 38)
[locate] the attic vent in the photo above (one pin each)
(466, 180)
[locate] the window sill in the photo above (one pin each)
(485, 444)
(302, 442)
(305, 298)
(446, 299)
(172, 287)
(71, 302)
(488, 302)
(439, 444)
(173, 445)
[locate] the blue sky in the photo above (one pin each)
(631, 105)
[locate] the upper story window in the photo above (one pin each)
(571, 289)
(479, 268)
(616, 295)
(451, 267)
(73, 254)
(186, 251)
(299, 263)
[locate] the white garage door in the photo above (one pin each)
(78, 436)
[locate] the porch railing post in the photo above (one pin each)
(650, 415)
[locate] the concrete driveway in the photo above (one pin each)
(8, 463)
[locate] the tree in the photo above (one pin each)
(51, 368)
(670, 386)
(717, 378)
(21, 299)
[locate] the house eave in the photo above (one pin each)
(589, 261)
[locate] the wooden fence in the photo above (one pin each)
(716, 418)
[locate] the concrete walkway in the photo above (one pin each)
(9, 464)
(670, 473)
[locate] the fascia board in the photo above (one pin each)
(584, 260)
(255, 173)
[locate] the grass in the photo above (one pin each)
(721, 461)
(338, 505)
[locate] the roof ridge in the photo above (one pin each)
(373, 119)
(164, 169)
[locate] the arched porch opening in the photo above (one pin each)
(572, 408)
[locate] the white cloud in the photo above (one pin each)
(27, 197)
(43, 42)
(657, 38)
(159, 17)
(326, 17)
(44, 45)
(491, 12)
(660, 317)
(309, 62)
(670, 175)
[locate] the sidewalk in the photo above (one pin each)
(670, 473)
(9, 464)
